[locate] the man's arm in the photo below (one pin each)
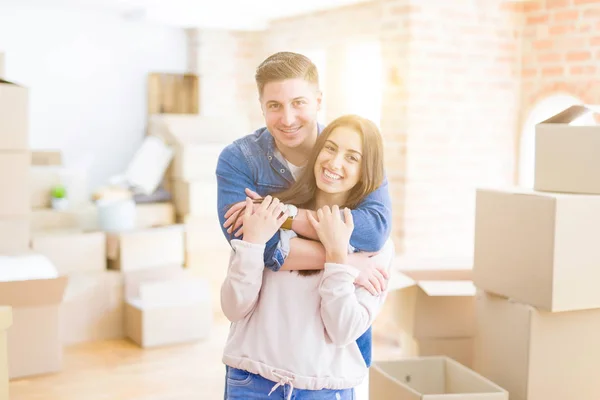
(234, 175)
(372, 221)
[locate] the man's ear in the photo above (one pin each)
(319, 99)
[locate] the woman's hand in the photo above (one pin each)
(260, 225)
(334, 233)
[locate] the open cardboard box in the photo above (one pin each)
(566, 152)
(34, 340)
(429, 378)
(5, 324)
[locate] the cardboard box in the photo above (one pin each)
(46, 157)
(430, 378)
(5, 324)
(566, 156)
(83, 218)
(146, 248)
(93, 308)
(34, 340)
(195, 161)
(433, 309)
(435, 268)
(198, 198)
(14, 235)
(207, 265)
(538, 248)
(150, 215)
(14, 179)
(458, 349)
(204, 234)
(14, 124)
(72, 251)
(537, 355)
(171, 311)
(180, 130)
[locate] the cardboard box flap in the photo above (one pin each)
(5, 317)
(134, 279)
(399, 281)
(25, 267)
(571, 114)
(34, 292)
(448, 288)
(184, 289)
(5, 82)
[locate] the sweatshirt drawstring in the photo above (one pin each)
(283, 380)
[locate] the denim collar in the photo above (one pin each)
(266, 141)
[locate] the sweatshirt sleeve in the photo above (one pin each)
(241, 287)
(347, 311)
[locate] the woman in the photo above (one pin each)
(277, 344)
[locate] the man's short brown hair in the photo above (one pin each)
(285, 65)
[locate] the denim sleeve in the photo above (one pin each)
(234, 175)
(372, 220)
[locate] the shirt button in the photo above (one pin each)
(270, 158)
(282, 170)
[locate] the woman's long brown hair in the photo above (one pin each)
(302, 192)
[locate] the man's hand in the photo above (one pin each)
(234, 211)
(373, 275)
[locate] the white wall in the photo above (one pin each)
(87, 78)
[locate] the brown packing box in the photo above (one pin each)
(146, 248)
(538, 248)
(14, 179)
(433, 309)
(149, 215)
(198, 198)
(72, 251)
(166, 305)
(388, 326)
(195, 161)
(459, 349)
(566, 156)
(84, 218)
(212, 267)
(93, 307)
(34, 340)
(14, 235)
(204, 234)
(5, 324)
(14, 124)
(46, 157)
(429, 378)
(537, 355)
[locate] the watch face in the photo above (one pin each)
(292, 210)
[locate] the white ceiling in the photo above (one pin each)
(229, 14)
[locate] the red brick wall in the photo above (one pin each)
(461, 93)
(561, 51)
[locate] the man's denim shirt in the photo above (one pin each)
(251, 162)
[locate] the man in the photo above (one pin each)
(268, 161)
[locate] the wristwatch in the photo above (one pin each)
(292, 212)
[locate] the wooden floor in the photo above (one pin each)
(120, 370)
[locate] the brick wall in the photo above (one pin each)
(561, 51)
(449, 101)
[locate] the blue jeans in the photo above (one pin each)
(243, 385)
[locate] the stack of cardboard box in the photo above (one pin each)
(164, 304)
(28, 282)
(198, 141)
(430, 309)
(5, 323)
(537, 268)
